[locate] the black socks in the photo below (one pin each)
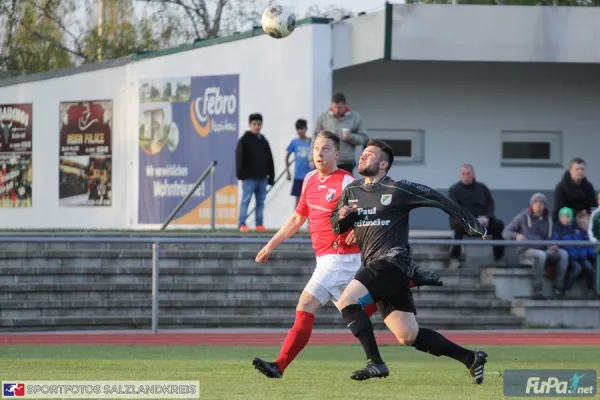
(359, 323)
(432, 342)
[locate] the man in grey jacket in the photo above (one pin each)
(535, 223)
(347, 124)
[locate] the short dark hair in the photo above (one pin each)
(338, 98)
(331, 136)
(576, 160)
(301, 123)
(388, 153)
(255, 117)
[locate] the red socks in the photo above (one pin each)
(371, 309)
(296, 339)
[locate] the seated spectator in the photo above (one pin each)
(566, 230)
(587, 252)
(476, 198)
(574, 190)
(534, 223)
(594, 237)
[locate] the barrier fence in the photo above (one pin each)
(155, 241)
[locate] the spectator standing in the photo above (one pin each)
(348, 125)
(476, 198)
(574, 190)
(299, 147)
(255, 168)
(535, 223)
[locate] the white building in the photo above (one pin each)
(512, 90)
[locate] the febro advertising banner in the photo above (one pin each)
(185, 124)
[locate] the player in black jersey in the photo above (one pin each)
(377, 208)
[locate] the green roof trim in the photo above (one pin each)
(257, 31)
(387, 40)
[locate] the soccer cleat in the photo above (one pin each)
(425, 277)
(268, 369)
(476, 369)
(371, 370)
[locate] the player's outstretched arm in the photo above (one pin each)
(343, 217)
(291, 226)
(423, 196)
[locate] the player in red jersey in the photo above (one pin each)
(338, 256)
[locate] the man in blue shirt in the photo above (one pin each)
(299, 147)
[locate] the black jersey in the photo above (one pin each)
(381, 221)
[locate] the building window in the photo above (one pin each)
(531, 148)
(408, 145)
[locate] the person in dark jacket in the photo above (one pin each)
(255, 168)
(566, 230)
(476, 198)
(574, 190)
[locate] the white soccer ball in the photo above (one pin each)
(278, 22)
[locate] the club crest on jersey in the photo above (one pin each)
(330, 194)
(386, 199)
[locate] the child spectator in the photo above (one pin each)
(299, 147)
(595, 236)
(588, 253)
(566, 230)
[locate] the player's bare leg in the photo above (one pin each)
(298, 337)
(407, 331)
(360, 325)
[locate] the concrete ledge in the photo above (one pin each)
(559, 313)
(244, 321)
(516, 282)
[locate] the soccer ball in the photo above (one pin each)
(278, 22)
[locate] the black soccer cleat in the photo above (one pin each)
(425, 277)
(268, 369)
(476, 369)
(371, 370)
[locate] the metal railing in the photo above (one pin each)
(157, 240)
(209, 170)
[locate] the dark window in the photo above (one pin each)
(401, 147)
(526, 150)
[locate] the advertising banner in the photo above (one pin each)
(85, 166)
(185, 124)
(16, 132)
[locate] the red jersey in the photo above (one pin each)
(318, 199)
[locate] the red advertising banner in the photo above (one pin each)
(16, 134)
(85, 170)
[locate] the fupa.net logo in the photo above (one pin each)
(556, 386)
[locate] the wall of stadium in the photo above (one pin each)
(456, 113)
(284, 80)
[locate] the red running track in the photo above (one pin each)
(276, 339)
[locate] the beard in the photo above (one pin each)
(368, 170)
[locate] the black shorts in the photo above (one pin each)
(388, 286)
(297, 187)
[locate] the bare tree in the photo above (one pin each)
(204, 19)
(331, 11)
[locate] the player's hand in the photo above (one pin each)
(351, 238)
(288, 176)
(520, 237)
(264, 254)
(347, 210)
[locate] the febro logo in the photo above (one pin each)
(215, 105)
(550, 383)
